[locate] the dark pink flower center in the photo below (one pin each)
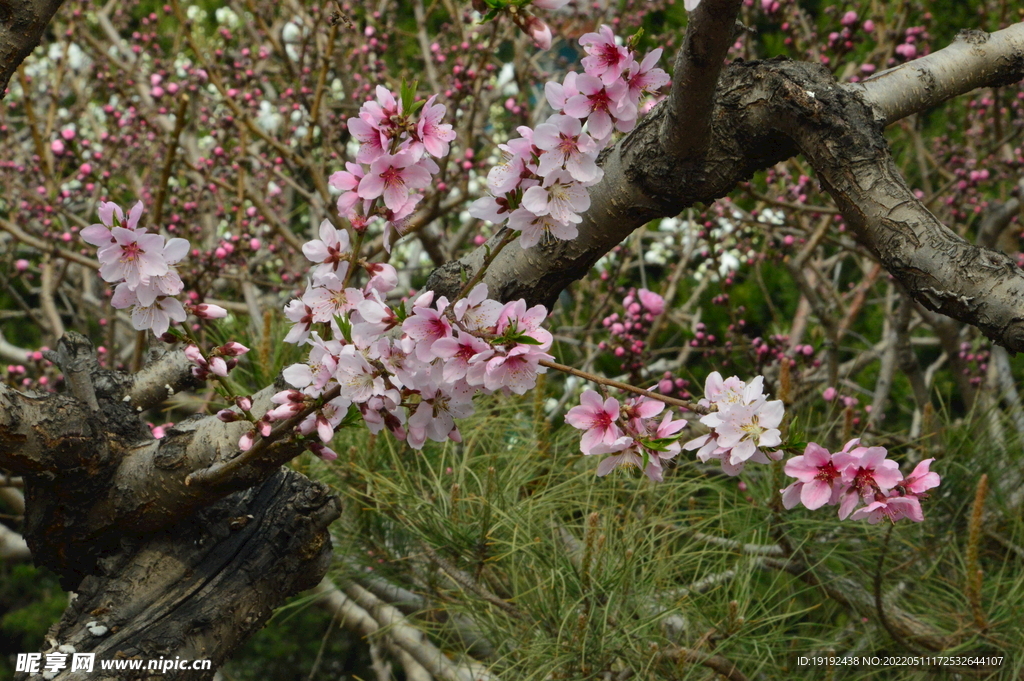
(131, 252)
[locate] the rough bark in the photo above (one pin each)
(200, 588)
(21, 27)
(163, 568)
(764, 111)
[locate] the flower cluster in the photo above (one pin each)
(857, 475)
(540, 188)
(629, 330)
(141, 264)
(397, 138)
(743, 423)
(412, 369)
(631, 434)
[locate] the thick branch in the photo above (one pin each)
(975, 59)
(709, 35)
(200, 588)
(642, 181)
(941, 270)
(21, 26)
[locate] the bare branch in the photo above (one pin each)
(21, 26)
(643, 181)
(686, 129)
(941, 270)
(974, 59)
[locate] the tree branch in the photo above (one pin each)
(974, 59)
(21, 26)
(945, 273)
(643, 181)
(686, 129)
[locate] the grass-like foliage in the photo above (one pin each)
(517, 553)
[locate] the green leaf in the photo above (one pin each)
(346, 327)
(660, 444)
(634, 39)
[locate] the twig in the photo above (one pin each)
(222, 471)
(45, 247)
(594, 378)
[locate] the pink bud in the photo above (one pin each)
(68, 134)
(207, 311)
(244, 403)
(227, 415)
(218, 366)
(245, 442)
(57, 147)
(194, 356)
(829, 394)
(21, 265)
(233, 349)
(539, 31)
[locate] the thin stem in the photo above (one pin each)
(600, 380)
(220, 472)
(508, 238)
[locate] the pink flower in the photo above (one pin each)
(430, 132)
(157, 315)
(290, 403)
(645, 77)
(866, 472)
(558, 94)
(651, 301)
(538, 31)
(816, 476)
(607, 60)
(302, 315)
(746, 428)
(626, 458)
(515, 316)
(329, 250)
(891, 508)
(326, 419)
(560, 196)
(459, 351)
(134, 257)
(427, 325)
(359, 381)
(605, 107)
(921, 479)
(328, 299)
(566, 146)
(596, 417)
(208, 311)
(394, 176)
(534, 228)
(477, 312)
(517, 371)
(372, 140)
